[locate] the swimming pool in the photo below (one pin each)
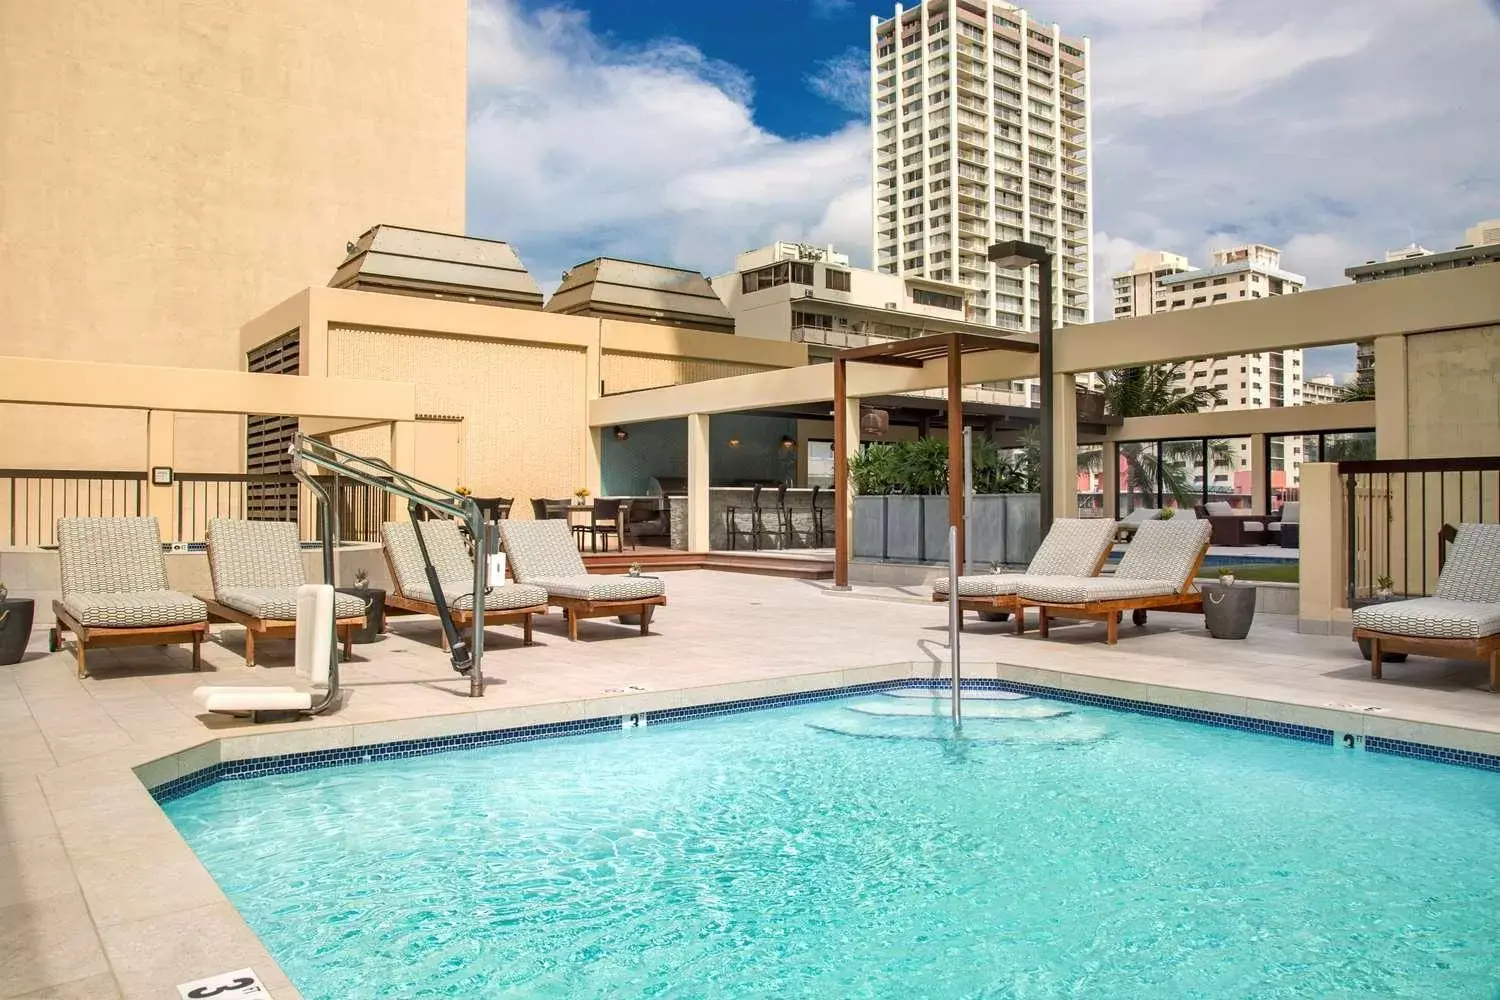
(853, 848)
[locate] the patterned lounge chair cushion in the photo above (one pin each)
(1472, 570)
(1083, 589)
(262, 555)
(450, 557)
(110, 555)
(541, 550)
(1073, 547)
(1164, 550)
(279, 604)
(502, 598)
(588, 587)
(1431, 617)
(135, 609)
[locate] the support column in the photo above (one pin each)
(698, 506)
(161, 446)
(843, 444)
(1064, 447)
(1109, 479)
(1260, 473)
(1391, 417)
(593, 461)
(956, 442)
(403, 458)
(1322, 590)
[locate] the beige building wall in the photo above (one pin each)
(630, 372)
(1453, 393)
(171, 168)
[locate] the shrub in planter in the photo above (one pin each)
(374, 599)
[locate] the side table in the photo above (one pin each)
(1229, 610)
(16, 617)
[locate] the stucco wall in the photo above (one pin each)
(172, 168)
(521, 405)
(629, 372)
(1453, 392)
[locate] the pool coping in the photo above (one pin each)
(236, 757)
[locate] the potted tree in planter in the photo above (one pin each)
(1229, 608)
(374, 600)
(15, 625)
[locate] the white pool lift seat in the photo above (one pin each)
(314, 658)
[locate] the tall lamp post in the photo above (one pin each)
(1020, 254)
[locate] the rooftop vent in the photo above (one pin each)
(644, 293)
(437, 265)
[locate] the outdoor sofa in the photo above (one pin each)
(504, 604)
(1073, 547)
(542, 554)
(256, 567)
(1232, 528)
(114, 589)
(1157, 572)
(1461, 620)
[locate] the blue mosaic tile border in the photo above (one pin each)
(259, 766)
(1443, 755)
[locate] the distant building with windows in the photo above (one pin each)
(1161, 281)
(1321, 389)
(1481, 245)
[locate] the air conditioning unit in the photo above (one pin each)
(890, 305)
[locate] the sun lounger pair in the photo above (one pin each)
(544, 562)
(1157, 572)
(1461, 620)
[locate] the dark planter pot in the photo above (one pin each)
(15, 630)
(374, 599)
(1228, 611)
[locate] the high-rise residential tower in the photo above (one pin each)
(980, 128)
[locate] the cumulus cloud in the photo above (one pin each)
(580, 148)
(844, 80)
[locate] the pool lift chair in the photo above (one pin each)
(317, 657)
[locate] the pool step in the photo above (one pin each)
(927, 694)
(986, 720)
(939, 708)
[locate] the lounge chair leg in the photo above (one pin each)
(1019, 614)
(572, 625)
(1495, 670)
(442, 637)
(526, 630)
(1041, 622)
(197, 651)
(1112, 629)
(249, 648)
(348, 643)
(646, 610)
(83, 670)
(1375, 658)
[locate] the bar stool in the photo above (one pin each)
(735, 528)
(819, 520)
(782, 518)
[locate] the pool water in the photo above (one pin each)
(853, 848)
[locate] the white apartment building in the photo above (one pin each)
(1160, 281)
(810, 295)
(1320, 389)
(980, 132)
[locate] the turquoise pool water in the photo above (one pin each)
(854, 849)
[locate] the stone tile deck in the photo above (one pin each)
(99, 897)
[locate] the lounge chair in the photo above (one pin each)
(256, 568)
(114, 589)
(1231, 527)
(1157, 571)
(1285, 527)
(504, 604)
(542, 553)
(1127, 526)
(1461, 620)
(1074, 547)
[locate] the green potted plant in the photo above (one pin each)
(374, 601)
(1383, 587)
(15, 625)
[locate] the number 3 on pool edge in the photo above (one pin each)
(202, 992)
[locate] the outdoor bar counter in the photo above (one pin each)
(721, 498)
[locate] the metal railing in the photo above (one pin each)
(33, 500)
(1396, 512)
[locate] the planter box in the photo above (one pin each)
(16, 616)
(986, 536)
(869, 527)
(1022, 527)
(935, 529)
(903, 528)
(374, 599)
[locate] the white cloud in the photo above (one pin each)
(579, 148)
(844, 80)
(830, 8)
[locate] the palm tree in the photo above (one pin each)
(1359, 388)
(1158, 390)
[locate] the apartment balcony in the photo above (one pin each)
(973, 174)
(973, 228)
(970, 155)
(971, 104)
(1009, 100)
(1004, 114)
(970, 118)
(975, 246)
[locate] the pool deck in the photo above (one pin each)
(99, 897)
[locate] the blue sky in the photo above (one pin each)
(684, 132)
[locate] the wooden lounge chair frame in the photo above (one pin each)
(86, 636)
(416, 606)
(1187, 599)
(1484, 648)
(577, 608)
(272, 628)
(1005, 604)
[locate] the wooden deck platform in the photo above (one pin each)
(800, 564)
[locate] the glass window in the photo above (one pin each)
(837, 280)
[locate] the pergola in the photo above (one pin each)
(913, 353)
